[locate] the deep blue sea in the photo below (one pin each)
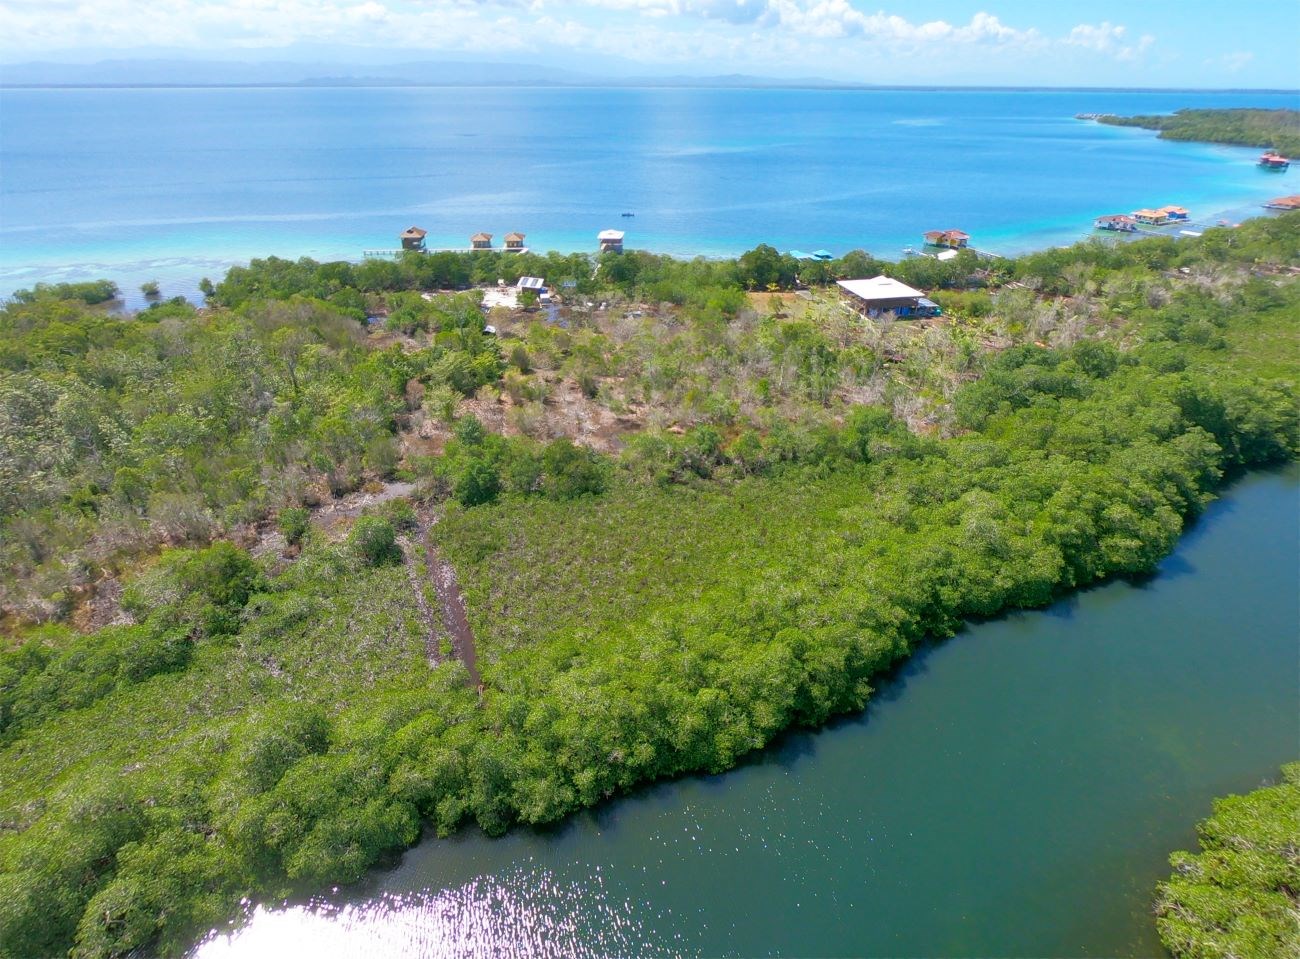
(175, 184)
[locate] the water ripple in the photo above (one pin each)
(520, 912)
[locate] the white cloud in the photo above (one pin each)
(822, 37)
(1233, 62)
(1108, 39)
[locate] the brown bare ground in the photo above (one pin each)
(432, 646)
(454, 618)
(102, 607)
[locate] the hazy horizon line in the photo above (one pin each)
(712, 80)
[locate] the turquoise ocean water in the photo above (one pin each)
(175, 184)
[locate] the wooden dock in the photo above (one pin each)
(393, 254)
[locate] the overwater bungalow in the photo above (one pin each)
(1117, 223)
(1283, 203)
(611, 241)
(1273, 160)
(952, 239)
(515, 242)
(1174, 212)
(881, 294)
(480, 241)
(1151, 217)
(413, 238)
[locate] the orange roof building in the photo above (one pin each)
(1151, 217)
(953, 239)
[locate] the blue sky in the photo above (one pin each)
(1163, 43)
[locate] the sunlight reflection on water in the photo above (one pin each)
(521, 912)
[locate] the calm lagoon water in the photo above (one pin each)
(174, 184)
(1015, 791)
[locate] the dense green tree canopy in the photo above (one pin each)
(1236, 899)
(272, 723)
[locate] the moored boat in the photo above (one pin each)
(1273, 160)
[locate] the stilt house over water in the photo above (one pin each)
(514, 242)
(952, 239)
(611, 241)
(480, 241)
(1117, 222)
(882, 294)
(413, 238)
(1151, 217)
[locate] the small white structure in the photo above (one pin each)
(611, 241)
(534, 283)
(881, 294)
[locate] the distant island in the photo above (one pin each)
(1275, 129)
(317, 73)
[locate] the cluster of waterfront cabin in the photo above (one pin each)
(412, 238)
(875, 297)
(1131, 222)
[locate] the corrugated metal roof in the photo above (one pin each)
(879, 288)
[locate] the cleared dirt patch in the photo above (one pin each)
(454, 619)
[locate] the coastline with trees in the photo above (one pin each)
(797, 504)
(1273, 129)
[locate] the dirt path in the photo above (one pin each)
(454, 619)
(350, 506)
(432, 646)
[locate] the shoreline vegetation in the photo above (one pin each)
(1238, 895)
(690, 506)
(1272, 129)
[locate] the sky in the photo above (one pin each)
(1146, 43)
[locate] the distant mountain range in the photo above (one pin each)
(288, 73)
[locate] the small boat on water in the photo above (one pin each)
(1274, 161)
(629, 214)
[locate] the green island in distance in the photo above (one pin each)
(1272, 129)
(290, 577)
